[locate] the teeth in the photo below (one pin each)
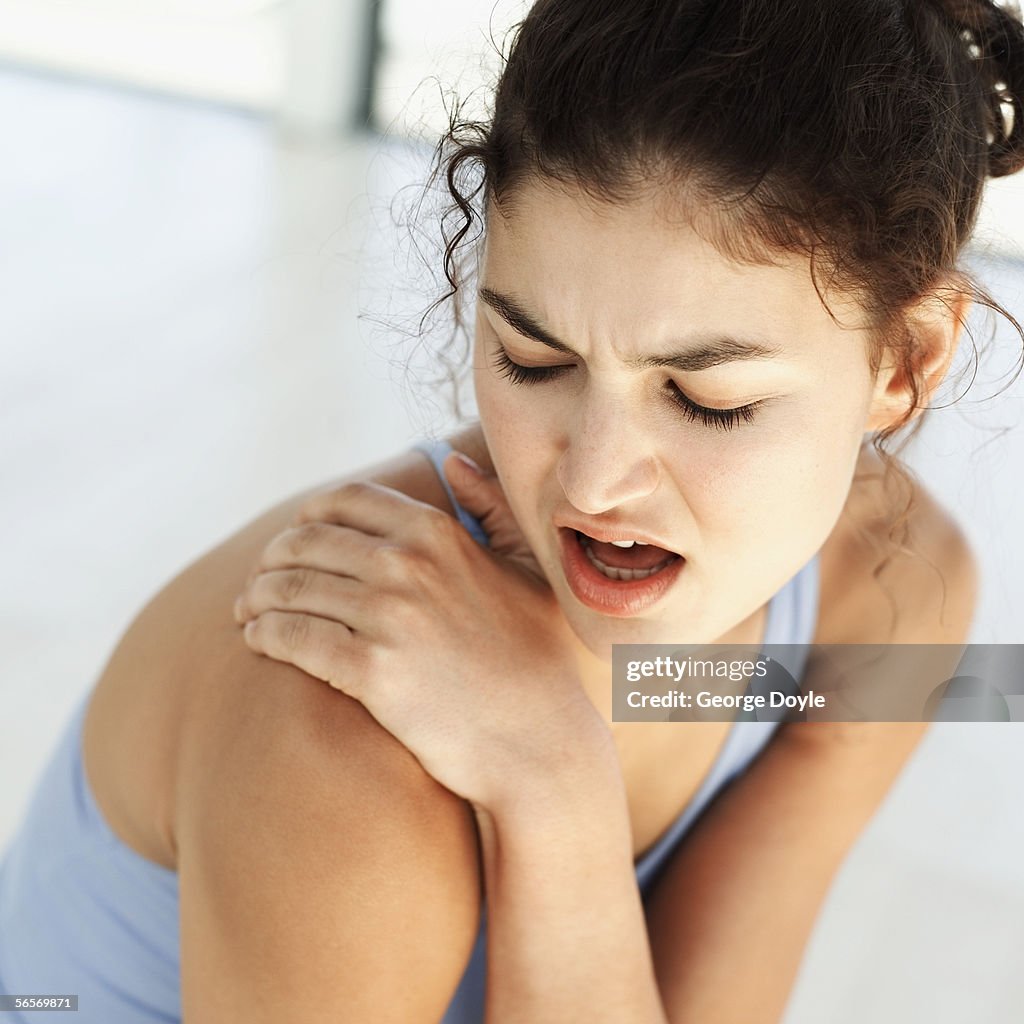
(623, 574)
(623, 543)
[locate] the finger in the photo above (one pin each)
(326, 650)
(309, 591)
(468, 478)
(370, 507)
(483, 497)
(336, 549)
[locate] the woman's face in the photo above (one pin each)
(745, 499)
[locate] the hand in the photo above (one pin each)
(482, 496)
(461, 652)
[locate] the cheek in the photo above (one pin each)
(515, 419)
(495, 397)
(516, 441)
(780, 489)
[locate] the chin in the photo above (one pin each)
(598, 633)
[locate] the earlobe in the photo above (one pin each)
(934, 328)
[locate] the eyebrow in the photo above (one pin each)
(704, 354)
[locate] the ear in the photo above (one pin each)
(936, 324)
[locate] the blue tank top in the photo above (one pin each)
(83, 913)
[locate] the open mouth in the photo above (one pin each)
(625, 563)
(617, 581)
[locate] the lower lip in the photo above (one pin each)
(620, 598)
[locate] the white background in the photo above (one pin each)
(188, 334)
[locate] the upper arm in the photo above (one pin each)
(323, 876)
(731, 915)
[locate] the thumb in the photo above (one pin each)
(481, 494)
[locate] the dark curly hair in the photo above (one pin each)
(858, 134)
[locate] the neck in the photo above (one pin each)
(595, 673)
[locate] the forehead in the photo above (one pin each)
(643, 266)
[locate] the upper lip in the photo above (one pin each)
(607, 534)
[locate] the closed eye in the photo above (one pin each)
(720, 419)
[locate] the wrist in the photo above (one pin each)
(540, 833)
(550, 756)
(582, 780)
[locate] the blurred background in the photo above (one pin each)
(210, 292)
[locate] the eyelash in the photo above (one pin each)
(722, 419)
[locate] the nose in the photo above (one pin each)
(606, 463)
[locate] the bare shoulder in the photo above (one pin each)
(322, 873)
(146, 698)
(304, 835)
(876, 592)
(873, 591)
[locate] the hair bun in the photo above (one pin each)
(994, 37)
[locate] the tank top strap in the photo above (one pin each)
(793, 610)
(437, 451)
(789, 633)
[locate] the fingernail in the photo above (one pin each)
(468, 463)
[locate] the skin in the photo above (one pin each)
(301, 749)
(607, 444)
(604, 445)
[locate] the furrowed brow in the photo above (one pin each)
(519, 320)
(701, 355)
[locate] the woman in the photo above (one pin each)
(719, 257)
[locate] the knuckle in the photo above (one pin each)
(296, 630)
(390, 561)
(352, 489)
(418, 569)
(303, 538)
(334, 652)
(294, 584)
(323, 504)
(372, 665)
(439, 525)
